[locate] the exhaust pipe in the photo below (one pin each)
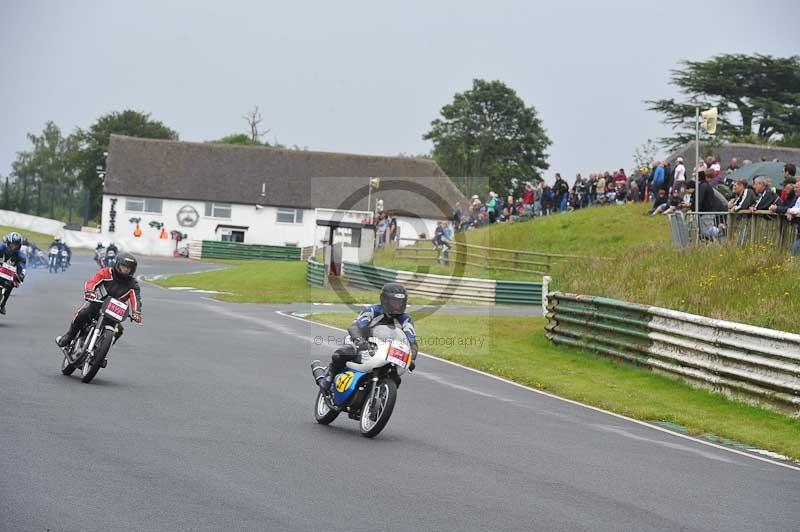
(319, 371)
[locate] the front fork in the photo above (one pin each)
(372, 392)
(95, 335)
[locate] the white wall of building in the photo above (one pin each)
(262, 225)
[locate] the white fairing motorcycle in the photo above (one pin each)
(367, 389)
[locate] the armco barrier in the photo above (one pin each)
(367, 276)
(517, 293)
(754, 363)
(213, 249)
(442, 287)
(315, 273)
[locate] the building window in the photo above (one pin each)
(350, 238)
(290, 216)
(143, 205)
(231, 235)
(218, 210)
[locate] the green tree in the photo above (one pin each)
(758, 98)
(239, 139)
(489, 131)
(92, 144)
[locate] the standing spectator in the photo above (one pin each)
(561, 189)
(764, 194)
(537, 199)
(679, 177)
(527, 196)
(601, 189)
(491, 204)
(393, 229)
(657, 181)
(745, 197)
(668, 176)
(634, 194)
(793, 214)
(548, 200)
(458, 214)
(734, 165)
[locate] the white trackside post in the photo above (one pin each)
(545, 290)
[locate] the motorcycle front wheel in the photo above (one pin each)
(92, 364)
(323, 413)
(376, 413)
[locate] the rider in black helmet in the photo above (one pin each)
(11, 251)
(394, 299)
(119, 282)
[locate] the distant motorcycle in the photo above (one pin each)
(54, 260)
(99, 253)
(89, 349)
(64, 260)
(110, 259)
(366, 390)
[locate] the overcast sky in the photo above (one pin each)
(367, 76)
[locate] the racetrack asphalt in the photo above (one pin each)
(203, 420)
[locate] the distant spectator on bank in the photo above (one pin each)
(788, 196)
(548, 200)
(634, 194)
(657, 181)
(679, 175)
(527, 195)
(764, 194)
(393, 229)
(734, 165)
(745, 197)
(561, 190)
(661, 203)
(458, 214)
(601, 189)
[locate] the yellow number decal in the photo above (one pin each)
(343, 381)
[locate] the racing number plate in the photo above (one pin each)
(116, 309)
(7, 271)
(398, 354)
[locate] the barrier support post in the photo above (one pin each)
(545, 289)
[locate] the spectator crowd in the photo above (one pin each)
(667, 185)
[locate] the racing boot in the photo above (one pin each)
(65, 339)
(322, 375)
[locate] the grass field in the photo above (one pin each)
(41, 239)
(754, 285)
(265, 281)
(518, 350)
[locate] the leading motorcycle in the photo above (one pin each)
(8, 277)
(54, 259)
(89, 350)
(367, 389)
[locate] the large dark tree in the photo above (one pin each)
(94, 143)
(758, 98)
(488, 131)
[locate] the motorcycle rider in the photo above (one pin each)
(99, 253)
(112, 248)
(120, 283)
(391, 310)
(11, 251)
(61, 245)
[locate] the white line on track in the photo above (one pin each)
(570, 401)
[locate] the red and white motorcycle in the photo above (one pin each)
(89, 350)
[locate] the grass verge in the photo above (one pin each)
(42, 240)
(268, 281)
(518, 349)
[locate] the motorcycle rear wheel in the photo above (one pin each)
(375, 415)
(93, 364)
(323, 413)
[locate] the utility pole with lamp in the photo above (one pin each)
(710, 127)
